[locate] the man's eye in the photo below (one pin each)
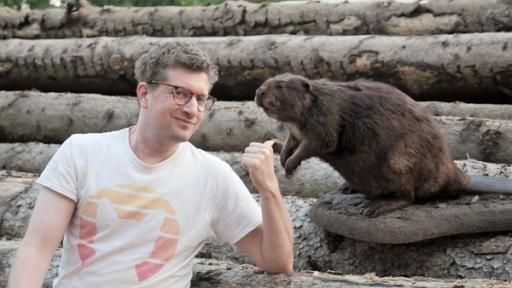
(180, 93)
(202, 99)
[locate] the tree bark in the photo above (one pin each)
(459, 109)
(473, 67)
(53, 117)
(463, 256)
(230, 126)
(243, 18)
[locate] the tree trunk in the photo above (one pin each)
(470, 256)
(230, 126)
(243, 18)
(473, 67)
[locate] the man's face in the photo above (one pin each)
(177, 122)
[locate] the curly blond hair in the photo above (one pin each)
(152, 64)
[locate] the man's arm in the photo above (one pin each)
(49, 220)
(269, 245)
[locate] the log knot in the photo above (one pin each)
(115, 61)
(489, 144)
(6, 66)
(417, 80)
(364, 60)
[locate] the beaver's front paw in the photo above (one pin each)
(290, 166)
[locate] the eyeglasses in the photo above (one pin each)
(182, 96)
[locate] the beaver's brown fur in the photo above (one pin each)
(379, 139)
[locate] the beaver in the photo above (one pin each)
(381, 141)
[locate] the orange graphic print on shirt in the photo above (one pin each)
(132, 202)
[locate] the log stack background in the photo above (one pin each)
(73, 73)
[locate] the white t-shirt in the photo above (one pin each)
(140, 225)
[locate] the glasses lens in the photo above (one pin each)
(182, 96)
(209, 104)
(201, 105)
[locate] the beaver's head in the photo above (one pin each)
(285, 97)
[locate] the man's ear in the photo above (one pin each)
(143, 94)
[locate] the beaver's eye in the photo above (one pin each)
(275, 99)
(281, 84)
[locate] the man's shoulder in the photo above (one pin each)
(207, 158)
(94, 139)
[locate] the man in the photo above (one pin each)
(136, 205)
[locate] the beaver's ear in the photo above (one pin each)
(306, 85)
(312, 88)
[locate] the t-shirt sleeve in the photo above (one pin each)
(60, 173)
(237, 211)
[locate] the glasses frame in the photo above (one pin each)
(175, 87)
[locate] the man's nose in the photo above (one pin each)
(191, 106)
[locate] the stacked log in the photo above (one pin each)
(242, 19)
(465, 67)
(230, 126)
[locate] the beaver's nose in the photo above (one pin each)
(259, 95)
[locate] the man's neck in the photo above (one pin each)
(150, 147)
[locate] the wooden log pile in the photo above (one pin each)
(244, 18)
(58, 77)
(470, 256)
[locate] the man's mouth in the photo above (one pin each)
(185, 121)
